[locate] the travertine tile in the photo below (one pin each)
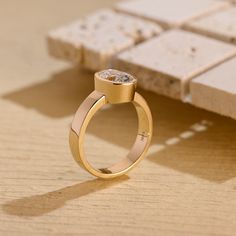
(220, 25)
(216, 89)
(94, 40)
(170, 13)
(166, 63)
(99, 50)
(106, 19)
(65, 43)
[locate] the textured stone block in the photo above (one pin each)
(94, 40)
(100, 49)
(220, 25)
(216, 89)
(170, 13)
(65, 43)
(166, 64)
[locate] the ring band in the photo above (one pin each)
(113, 87)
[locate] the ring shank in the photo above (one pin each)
(83, 116)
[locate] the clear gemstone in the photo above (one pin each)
(116, 76)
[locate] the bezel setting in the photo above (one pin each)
(117, 86)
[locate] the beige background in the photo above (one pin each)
(185, 186)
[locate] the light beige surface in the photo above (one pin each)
(220, 25)
(170, 13)
(186, 185)
(166, 63)
(87, 41)
(216, 89)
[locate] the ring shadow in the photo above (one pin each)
(209, 155)
(39, 205)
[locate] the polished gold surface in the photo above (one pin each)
(114, 89)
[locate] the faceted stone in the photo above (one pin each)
(116, 76)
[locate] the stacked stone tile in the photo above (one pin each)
(184, 49)
(95, 40)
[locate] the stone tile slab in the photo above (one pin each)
(220, 25)
(170, 13)
(216, 90)
(94, 40)
(166, 63)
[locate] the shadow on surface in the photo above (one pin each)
(57, 97)
(42, 204)
(210, 155)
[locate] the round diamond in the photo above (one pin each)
(116, 76)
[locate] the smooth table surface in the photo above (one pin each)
(185, 186)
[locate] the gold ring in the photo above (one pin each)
(113, 87)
